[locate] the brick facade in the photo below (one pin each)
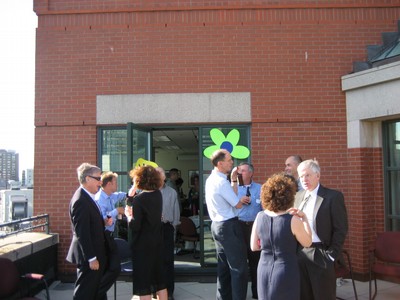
(290, 57)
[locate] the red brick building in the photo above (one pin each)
(271, 68)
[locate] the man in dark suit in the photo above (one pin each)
(326, 213)
(88, 248)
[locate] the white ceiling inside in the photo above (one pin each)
(182, 141)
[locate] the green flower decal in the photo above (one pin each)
(229, 143)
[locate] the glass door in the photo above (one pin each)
(235, 139)
(120, 148)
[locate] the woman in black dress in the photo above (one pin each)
(146, 231)
(276, 232)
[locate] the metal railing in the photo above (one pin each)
(24, 225)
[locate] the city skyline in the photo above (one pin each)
(17, 74)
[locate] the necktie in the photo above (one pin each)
(248, 194)
(304, 203)
(111, 206)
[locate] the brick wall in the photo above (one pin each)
(290, 59)
(366, 203)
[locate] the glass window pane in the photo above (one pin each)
(123, 183)
(113, 150)
(210, 255)
(393, 144)
(394, 224)
(392, 174)
(139, 144)
(393, 203)
(207, 141)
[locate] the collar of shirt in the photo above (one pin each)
(101, 194)
(242, 189)
(89, 193)
(220, 174)
(313, 193)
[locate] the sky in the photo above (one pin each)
(18, 25)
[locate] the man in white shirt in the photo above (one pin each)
(222, 204)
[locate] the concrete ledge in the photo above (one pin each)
(24, 244)
(371, 77)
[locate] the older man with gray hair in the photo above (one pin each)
(327, 216)
(88, 248)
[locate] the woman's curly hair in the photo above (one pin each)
(146, 178)
(277, 193)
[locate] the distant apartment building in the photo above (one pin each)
(27, 178)
(9, 167)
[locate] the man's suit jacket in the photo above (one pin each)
(87, 228)
(331, 218)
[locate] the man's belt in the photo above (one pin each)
(247, 223)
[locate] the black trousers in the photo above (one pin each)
(113, 268)
(169, 245)
(94, 284)
(317, 274)
(252, 256)
(87, 283)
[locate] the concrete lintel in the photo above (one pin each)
(174, 108)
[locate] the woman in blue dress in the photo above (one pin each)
(276, 233)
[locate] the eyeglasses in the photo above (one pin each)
(94, 177)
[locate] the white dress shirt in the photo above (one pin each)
(220, 197)
(308, 209)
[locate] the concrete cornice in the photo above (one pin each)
(370, 77)
(44, 9)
